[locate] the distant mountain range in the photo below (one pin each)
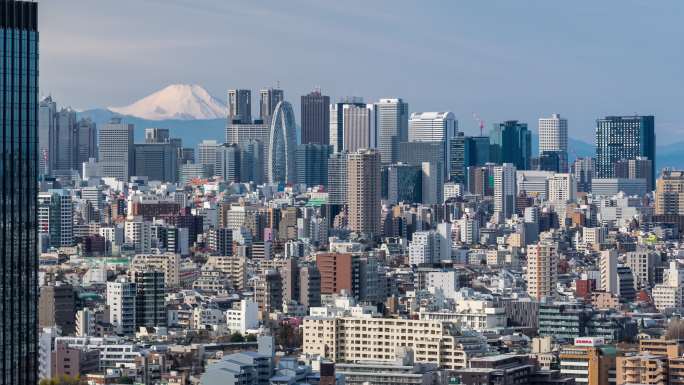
(178, 102)
(193, 115)
(190, 131)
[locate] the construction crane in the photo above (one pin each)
(480, 123)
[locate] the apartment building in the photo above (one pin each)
(358, 340)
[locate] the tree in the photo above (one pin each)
(61, 380)
(251, 338)
(675, 330)
(237, 337)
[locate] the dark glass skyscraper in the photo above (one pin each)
(315, 118)
(623, 138)
(466, 151)
(312, 164)
(18, 192)
(511, 142)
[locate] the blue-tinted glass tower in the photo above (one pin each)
(511, 142)
(18, 192)
(622, 138)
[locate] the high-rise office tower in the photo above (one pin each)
(553, 137)
(639, 168)
(504, 190)
(312, 164)
(477, 150)
(511, 142)
(584, 170)
(623, 137)
(86, 142)
(315, 118)
(337, 178)
(18, 193)
(392, 124)
(434, 127)
(156, 135)
(206, 154)
(47, 135)
(542, 269)
(352, 125)
(283, 142)
(416, 153)
(67, 140)
(239, 106)
(116, 150)
(268, 101)
(187, 155)
(242, 130)
(457, 158)
(252, 161)
(464, 152)
(404, 183)
(157, 161)
(432, 181)
(363, 192)
(548, 161)
(228, 165)
(480, 180)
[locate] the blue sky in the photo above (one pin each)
(507, 59)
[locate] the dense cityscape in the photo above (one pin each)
(328, 240)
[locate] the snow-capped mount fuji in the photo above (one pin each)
(176, 101)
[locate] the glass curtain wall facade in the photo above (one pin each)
(18, 192)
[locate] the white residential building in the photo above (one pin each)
(121, 301)
(504, 190)
(608, 268)
(243, 317)
(444, 281)
(138, 233)
(422, 248)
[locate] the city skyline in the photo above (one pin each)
(498, 70)
(377, 232)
